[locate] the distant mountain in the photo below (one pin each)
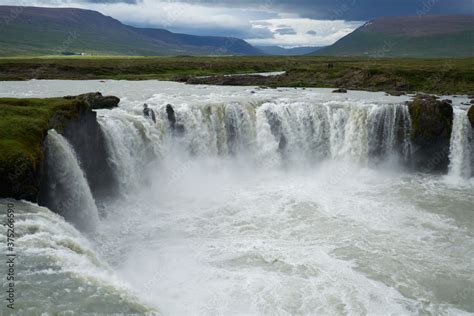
(281, 51)
(53, 31)
(409, 36)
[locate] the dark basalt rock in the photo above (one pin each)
(171, 115)
(177, 128)
(432, 122)
(86, 137)
(470, 115)
(97, 101)
(340, 90)
(181, 78)
(276, 129)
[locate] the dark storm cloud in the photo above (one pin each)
(112, 1)
(355, 10)
(360, 10)
(370, 9)
(263, 22)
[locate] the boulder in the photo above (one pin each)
(181, 78)
(432, 122)
(340, 90)
(97, 101)
(470, 115)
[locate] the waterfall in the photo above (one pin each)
(133, 146)
(67, 191)
(460, 154)
(270, 133)
(311, 133)
(389, 130)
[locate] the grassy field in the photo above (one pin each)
(423, 75)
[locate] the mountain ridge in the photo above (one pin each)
(408, 36)
(53, 31)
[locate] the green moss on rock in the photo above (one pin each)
(24, 124)
(432, 123)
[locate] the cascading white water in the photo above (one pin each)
(389, 133)
(460, 154)
(264, 134)
(269, 133)
(133, 145)
(258, 202)
(67, 189)
(57, 268)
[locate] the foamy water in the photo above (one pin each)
(304, 210)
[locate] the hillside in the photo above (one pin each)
(409, 36)
(55, 31)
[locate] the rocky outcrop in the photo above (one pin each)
(21, 149)
(470, 114)
(177, 128)
(96, 101)
(432, 122)
(22, 152)
(340, 90)
(84, 134)
(171, 116)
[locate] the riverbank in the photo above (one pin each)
(440, 76)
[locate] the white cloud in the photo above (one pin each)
(260, 26)
(308, 32)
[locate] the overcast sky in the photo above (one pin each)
(286, 23)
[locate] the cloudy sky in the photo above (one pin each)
(288, 23)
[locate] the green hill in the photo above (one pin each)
(54, 31)
(410, 36)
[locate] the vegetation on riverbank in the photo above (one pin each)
(450, 76)
(23, 126)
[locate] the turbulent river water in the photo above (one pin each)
(257, 202)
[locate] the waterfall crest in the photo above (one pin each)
(67, 191)
(297, 132)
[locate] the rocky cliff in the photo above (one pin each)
(24, 125)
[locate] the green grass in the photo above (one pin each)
(385, 74)
(23, 126)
